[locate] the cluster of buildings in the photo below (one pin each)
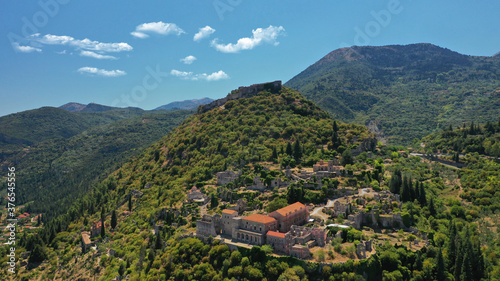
(281, 229)
(322, 169)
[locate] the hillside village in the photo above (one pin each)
(298, 230)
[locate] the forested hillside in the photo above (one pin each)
(469, 138)
(61, 154)
(403, 92)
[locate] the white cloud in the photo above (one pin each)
(25, 49)
(219, 75)
(188, 59)
(139, 34)
(204, 32)
(102, 72)
(156, 27)
(260, 36)
(96, 55)
(63, 52)
(85, 44)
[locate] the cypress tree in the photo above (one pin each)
(395, 182)
(452, 247)
(130, 203)
(422, 196)
(297, 150)
(103, 218)
(405, 190)
(114, 220)
(274, 156)
(336, 127)
(477, 262)
(457, 269)
(432, 207)
(466, 268)
(289, 149)
(440, 268)
(158, 241)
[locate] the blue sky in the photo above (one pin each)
(149, 53)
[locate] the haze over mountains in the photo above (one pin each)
(403, 91)
(94, 107)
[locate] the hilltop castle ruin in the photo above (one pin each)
(242, 92)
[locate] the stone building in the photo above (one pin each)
(86, 243)
(362, 248)
(295, 214)
(329, 166)
(95, 229)
(195, 195)
(339, 207)
(228, 222)
(370, 219)
(208, 226)
(299, 251)
(279, 241)
(304, 235)
(252, 229)
(226, 177)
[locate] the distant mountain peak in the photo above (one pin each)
(91, 107)
(73, 106)
(185, 104)
(403, 53)
(404, 89)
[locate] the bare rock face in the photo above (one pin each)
(242, 92)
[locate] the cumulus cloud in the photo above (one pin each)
(219, 75)
(85, 44)
(260, 36)
(96, 55)
(204, 32)
(162, 28)
(25, 49)
(188, 59)
(102, 72)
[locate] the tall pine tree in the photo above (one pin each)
(114, 220)
(103, 218)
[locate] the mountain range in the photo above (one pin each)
(94, 107)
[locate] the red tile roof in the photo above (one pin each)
(228, 211)
(276, 234)
(259, 218)
(291, 208)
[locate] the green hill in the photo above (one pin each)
(59, 155)
(241, 132)
(403, 92)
